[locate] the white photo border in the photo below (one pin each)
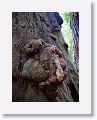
(84, 104)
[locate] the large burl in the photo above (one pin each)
(45, 67)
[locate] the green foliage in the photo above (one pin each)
(67, 17)
(67, 32)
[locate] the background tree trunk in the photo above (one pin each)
(26, 26)
(75, 30)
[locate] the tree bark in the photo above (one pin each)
(75, 30)
(45, 26)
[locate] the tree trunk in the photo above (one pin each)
(75, 30)
(27, 26)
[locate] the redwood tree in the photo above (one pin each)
(45, 26)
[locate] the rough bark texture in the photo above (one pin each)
(75, 30)
(46, 26)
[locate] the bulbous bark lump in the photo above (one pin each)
(47, 72)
